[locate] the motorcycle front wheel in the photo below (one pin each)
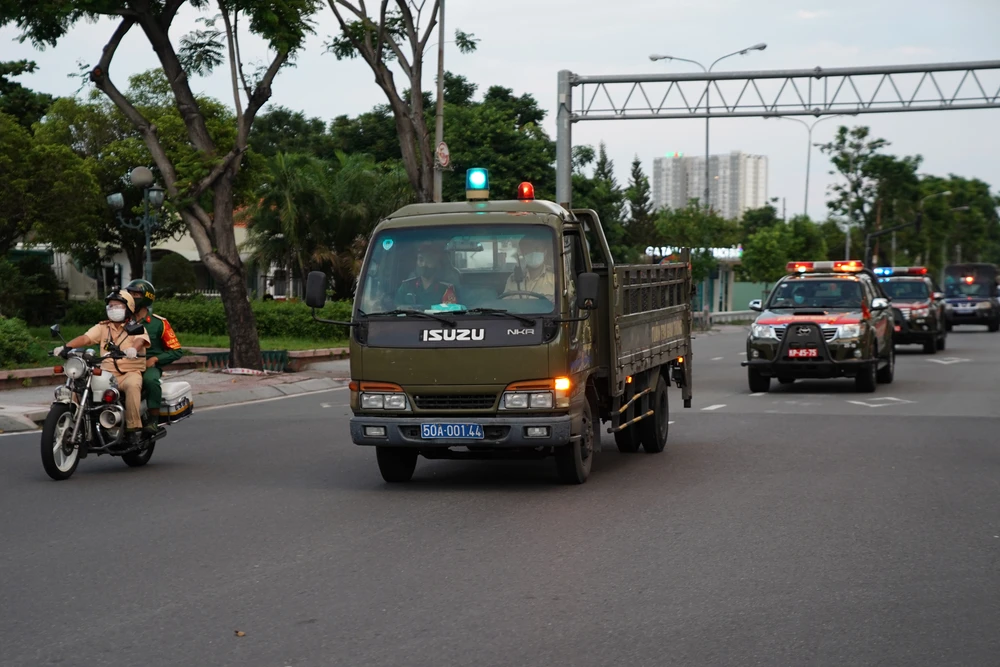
(58, 459)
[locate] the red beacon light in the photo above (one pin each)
(525, 192)
(845, 266)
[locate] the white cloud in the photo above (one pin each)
(807, 15)
(914, 51)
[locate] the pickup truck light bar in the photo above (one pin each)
(900, 271)
(845, 266)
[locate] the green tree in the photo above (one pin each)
(208, 170)
(602, 193)
(49, 195)
(875, 183)
(173, 275)
(640, 229)
(398, 34)
(694, 227)
(756, 219)
(765, 254)
(18, 101)
(282, 130)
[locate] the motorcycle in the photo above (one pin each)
(88, 413)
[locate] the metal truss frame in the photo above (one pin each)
(806, 92)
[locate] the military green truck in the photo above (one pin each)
(503, 329)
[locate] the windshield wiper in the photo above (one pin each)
(417, 313)
(500, 311)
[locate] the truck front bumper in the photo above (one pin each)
(505, 432)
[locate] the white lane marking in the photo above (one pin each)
(268, 400)
(882, 402)
(714, 407)
(757, 393)
(670, 422)
(743, 354)
(716, 358)
(947, 360)
(326, 405)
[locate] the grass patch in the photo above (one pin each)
(44, 343)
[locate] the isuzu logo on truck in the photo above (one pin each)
(431, 335)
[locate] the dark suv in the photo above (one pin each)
(920, 306)
(971, 295)
(823, 320)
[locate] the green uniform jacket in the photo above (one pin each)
(163, 343)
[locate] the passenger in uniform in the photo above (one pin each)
(127, 372)
(164, 348)
(426, 288)
(537, 278)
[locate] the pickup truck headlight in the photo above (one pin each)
(920, 312)
(849, 331)
(763, 331)
(984, 305)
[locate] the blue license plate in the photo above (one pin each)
(451, 431)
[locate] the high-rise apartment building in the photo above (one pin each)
(738, 181)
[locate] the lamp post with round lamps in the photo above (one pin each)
(152, 197)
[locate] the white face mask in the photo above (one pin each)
(116, 313)
(534, 259)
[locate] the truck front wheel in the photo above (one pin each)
(573, 461)
(396, 463)
(654, 429)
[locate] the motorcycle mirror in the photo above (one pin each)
(54, 330)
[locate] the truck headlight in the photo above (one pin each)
(542, 399)
(383, 401)
(849, 331)
(920, 312)
(513, 401)
(763, 331)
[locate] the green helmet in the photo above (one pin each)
(143, 292)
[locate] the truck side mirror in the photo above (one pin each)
(755, 305)
(587, 290)
(316, 289)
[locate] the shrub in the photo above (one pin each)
(173, 274)
(16, 342)
(198, 315)
(39, 298)
(11, 290)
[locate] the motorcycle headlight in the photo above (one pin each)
(849, 331)
(74, 367)
(762, 331)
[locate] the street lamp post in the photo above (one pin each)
(809, 147)
(439, 113)
(708, 86)
(152, 195)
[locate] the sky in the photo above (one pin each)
(524, 43)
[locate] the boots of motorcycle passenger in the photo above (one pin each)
(151, 424)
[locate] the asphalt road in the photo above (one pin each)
(791, 528)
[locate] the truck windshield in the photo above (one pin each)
(906, 290)
(461, 267)
(836, 293)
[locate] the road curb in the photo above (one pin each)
(30, 421)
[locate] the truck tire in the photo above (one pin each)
(396, 463)
(886, 374)
(574, 461)
(931, 347)
(758, 383)
(866, 380)
(655, 429)
(995, 325)
(628, 440)
(941, 341)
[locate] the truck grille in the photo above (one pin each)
(453, 402)
(828, 332)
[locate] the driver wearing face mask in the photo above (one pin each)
(537, 277)
(120, 307)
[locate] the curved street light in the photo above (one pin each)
(708, 110)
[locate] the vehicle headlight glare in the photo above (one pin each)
(920, 312)
(762, 331)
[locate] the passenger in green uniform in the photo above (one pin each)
(164, 348)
